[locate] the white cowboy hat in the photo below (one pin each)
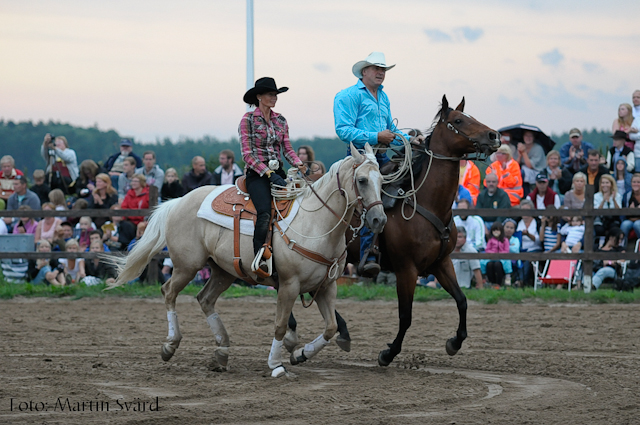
(375, 58)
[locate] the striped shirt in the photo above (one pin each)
(262, 141)
(550, 237)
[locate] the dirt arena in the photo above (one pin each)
(97, 361)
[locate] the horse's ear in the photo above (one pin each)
(460, 107)
(368, 149)
(444, 112)
(356, 155)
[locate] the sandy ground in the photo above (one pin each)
(96, 360)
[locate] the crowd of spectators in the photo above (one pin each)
(122, 181)
(520, 175)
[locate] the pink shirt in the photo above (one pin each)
(263, 141)
(494, 246)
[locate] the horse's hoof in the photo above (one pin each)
(382, 361)
(167, 352)
(344, 344)
(290, 340)
(449, 347)
(222, 356)
(278, 372)
(297, 357)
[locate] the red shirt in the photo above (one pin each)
(132, 201)
(6, 183)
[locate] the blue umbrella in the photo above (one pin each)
(516, 131)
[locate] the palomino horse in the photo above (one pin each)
(319, 226)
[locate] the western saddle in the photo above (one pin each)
(235, 202)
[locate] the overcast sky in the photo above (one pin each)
(154, 69)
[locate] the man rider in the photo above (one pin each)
(362, 113)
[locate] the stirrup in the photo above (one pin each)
(258, 264)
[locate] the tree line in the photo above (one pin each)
(22, 140)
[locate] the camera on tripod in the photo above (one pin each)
(51, 148)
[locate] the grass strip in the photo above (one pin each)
(360, 292)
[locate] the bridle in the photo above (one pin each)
(332, 263)
(361, 208)
(478, 155)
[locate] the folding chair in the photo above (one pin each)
(556, 272)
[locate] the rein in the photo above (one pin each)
(477, 155)
(331, 263)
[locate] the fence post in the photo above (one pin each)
(587, 265)
(152, 270)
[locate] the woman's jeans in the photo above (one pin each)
(627, 225)
(42, 275)
(259, 189)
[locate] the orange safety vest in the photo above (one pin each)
(509, 179)
(470, 180)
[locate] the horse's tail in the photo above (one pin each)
(151, 243)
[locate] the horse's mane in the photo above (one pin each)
(332, 172)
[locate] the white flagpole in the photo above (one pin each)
(250, 76)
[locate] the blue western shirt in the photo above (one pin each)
(359, 117)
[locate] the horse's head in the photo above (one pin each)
(367, 183)
(462, 134)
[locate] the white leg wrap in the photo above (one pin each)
(275, 355)
(314, 347)
(174, 329)
(218, 329)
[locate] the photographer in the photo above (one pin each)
(62, 164)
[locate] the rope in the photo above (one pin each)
(347, 207)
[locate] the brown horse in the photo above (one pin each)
(421, 245)
(416, 247)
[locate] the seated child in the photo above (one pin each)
(498, 243)
(73, 267)
(509, 226)
(98, 270)
(550, 236)
(44, 270)
(67, 231)
(574, 232)
(96, 235)
(84, 239)
(80, 204)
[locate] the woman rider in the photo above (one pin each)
(264, 135)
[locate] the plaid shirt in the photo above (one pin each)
(263, 141)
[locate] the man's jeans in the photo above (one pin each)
(366, 235)
(602, 274)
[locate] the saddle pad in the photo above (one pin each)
(246, 226)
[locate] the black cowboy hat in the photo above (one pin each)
(619, 134)
(263, 85)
